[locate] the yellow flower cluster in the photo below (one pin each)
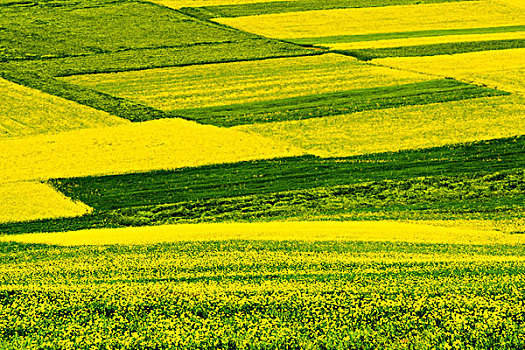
(160, 144)
(21, 201)
(400, 128)
(503, 69)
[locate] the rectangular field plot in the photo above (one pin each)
(503, 69)
(408, 127)
(389, 19)
(24, 201)
(24, 111)
(171, 89)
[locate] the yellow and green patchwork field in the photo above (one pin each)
(25, 111)
(241, 82)
(387, 19)
(249, 175)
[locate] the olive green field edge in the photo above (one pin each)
(433, 49)
(264, 8)
(336, 103)
(404, 35)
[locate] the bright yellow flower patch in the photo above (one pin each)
(21, 201)
(504, 69)
(388, 19)
(280, 231)
(25, 111)
(167, 143)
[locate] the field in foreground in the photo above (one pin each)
(250, 294)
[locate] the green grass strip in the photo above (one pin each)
(404, 35)
(434, 49)
(264, 8)
(336, 103)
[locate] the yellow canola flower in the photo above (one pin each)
(503, 69)
(21, 201)
(241, 82)
(394, 129)
(25, 111)
(377, 44)
(199, 3)
(160, 144)
(280, 231)
(387, 19)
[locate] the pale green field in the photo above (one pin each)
(240, 82)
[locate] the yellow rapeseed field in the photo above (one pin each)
(20, 201)
(408, 127)
(504, 69)
(167, 143)
(280, 231)
(375, 44)
(239, 82)
(25, 111)
(388, 19)
(198, 3)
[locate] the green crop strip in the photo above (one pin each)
(404, 35)
(264, 8)
(336, 103)
(451, 182)
(373, 295)
(434, 49)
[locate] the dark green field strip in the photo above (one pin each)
(434, 49)
(495, 196)
(264, 8)
(308, 172)
(404, 35)
(336, 103)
